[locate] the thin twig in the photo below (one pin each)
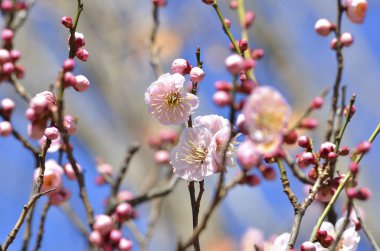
(40, 233)
(368, 233)
(153, 48)
(286, 185)
(28, 229)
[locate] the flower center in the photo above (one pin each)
(173, 98)
(198, 153)
(360, 9)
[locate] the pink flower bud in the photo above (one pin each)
(69, 79)
(5, 128)
(4, 56)
(6, 5)
(346, 39)
(181, 66)
(162, 157)
(247, 86)
(351, 193)
(7, 35)
(363, 147)
(317, 103)
(227, 22)
(68, 65)
(243, 45)
(305, 159)
(168, 136)
(124, 211)
(7, 106)
(234, 63)
(332, 156)
(96, 238)
(20, 71)
(197, 74)
(325, 194)
(323, 27)
(249, 18)
(352, 112)
(69, 171)
(15, 55)
(115, 235)
(334, 43)
(208, 1)
(240, 122)
(82, 54)
(221, 98)
(30, 114)
(325, 149)
(233, 4)
(321, 234)
(249, 64)
(257, 54)
(160, 3)
(51, 133)
(125, 245)
(354, 167)
(124, 195)
(309, 123)
(67, 22)
(247, 155)
(82, 83)
(222, 85)
(69, 124)
(344, 151)
(291, 137)
(8, 68)
(364, 193)
(308, 246)
(103, 224)
(327, 241)
(59, 197)
(304, 142)
(78, 41)
(21, 6)
(356, 10)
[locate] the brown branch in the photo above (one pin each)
(28, 229)
(12, 235)
(153, 48)
(286, 186)
(195, 213)
(41, 226)
(338, 78)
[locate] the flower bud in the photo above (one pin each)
(327, 241)
(96, 238)
(356, 10)
(103, 224)
(124, 211)
(291, 137)
(160, 3)
(257, 54)
(249, 64)
(317, 103)
(7, 35)
(304, 142)
(363, 147)
(354, 167)
(352, 112)
(162, 157)
(332, 156)
(268, 172)
(82, 54)
(323, 27)
(197, 74)
(8, 68)
(68, 65)
(309, 123)
(351, 193)
(181, 66)
(69, 171)
(364, 193)
(234, 63)
(243, 45)
(227, 22)
(115, 235)
(241, 124)
(221, 98)
(334, 43)
(233, 4)
(6, 5)
(51, 133)
(222, 85)
(67, 22)
(344, 151)
(15, 55)
(325, 149)
(308, 246)
(249, 18)
(7, 106)
(78, 40)
(252, 180)
(81, 83)
(346, 39)
(69, 124)
(4, 56)
(5, 128)
(125, 245)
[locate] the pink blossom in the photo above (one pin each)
(168, 101)
(81, 83)
(247, 155)
(252, 238)
(103, 224)
(69, 171)
(192, 158)
(356, 10)
(267, 114)
(323, 27)
(221, 98)
(213, 122)
(52, 133)
(197, 74)
(58, 197)
(52, 175)
(55, 144)
(5, 128)
(234, 63)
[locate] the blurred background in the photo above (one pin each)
(112, 112)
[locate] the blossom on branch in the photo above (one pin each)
(168, 101)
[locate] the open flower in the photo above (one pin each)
(356, 10)
(266, 117)
(192, 158)
(168, 101)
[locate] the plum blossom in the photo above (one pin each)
(356, 10)
(192, 158)
(52, 176)
(266, 117)
(168, 101)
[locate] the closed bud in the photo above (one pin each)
(7, 35)
(309, 123)
(351, 193)
(227, 22)
(252, 180)
(15, 55)
(67, 22)
(8, 68)
(208, 1)
(222, 85)
(291, 137)
(68, 65)
(268, 172)
(332, 156)
(181, 66)
(308, 246)
(234, 63)
(96, 238)
(327, 241)
(221, 98)
(5, 128)
(317, 103)
(125, 245)
(124, 211)
(344, 151)
(354, 167)
(6, 5)
(346, 109)
(51, 133)
(7, 106)
(304, 142)
(82, 54)
(243, 45)
(346, 39)
(115, 236)
(363, 147)
(249, 18)
(364, 193)
(257, 54)
(103, 224)
(323, 27)
(233, 4)
(81, 83)
(197, 74)
(247, 86)
(356, 10)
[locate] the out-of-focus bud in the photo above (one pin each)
(208, 1)
(354, 167)
(81, 83)
(82, 54)
(51, 133)
(247, 86)
(96, 238)
(352, 112)
(363, 147)
(68, 65)
(4, 56)
(221, 98)
(344, 151)
(7, 35)
(308, 246)
(257, 54)
(115, 236)
(356, 10)
(243, 45)
(325, 149)
(69, 171)
(160, 3)
(252, 180)
(125, 245)
(69, 124)
(334, 43)
(6, 5)
(247, 155)
(5, 128)
(162, 157)
(304, 142)
(364, 193)
(323, 27)
(103, 224)
(268, 172)
(249, 18)
(309, 123)
(233, 4)
(7, 106)
(227, 22)
(291, 137)
(222, 85)
(15, 55)
(317, 103)
(8, 68)
(234, 63)
(124, 211)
